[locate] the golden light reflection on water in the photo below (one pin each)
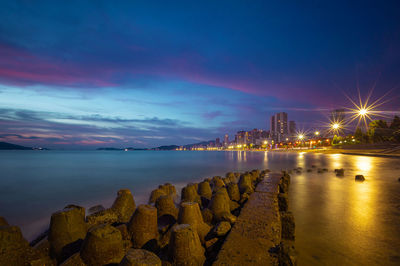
(364, 164)
(336, 160)
(363, 201)
(300, 160)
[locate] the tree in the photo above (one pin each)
(395, 123)
(378, 131)
(358, 135)
(378, 124)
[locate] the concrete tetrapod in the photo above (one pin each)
(13, 245)
(189, 193)
(140, 257)
(155, 194)
(102, 245)
(205, 190)
(185, 247)
(165, 206)
(124, 205)
(233, 191)
(143, 225)
(217, 183)
(245, 184)
(67, 230)
(189, 213)
(169, 189)
(220, 207)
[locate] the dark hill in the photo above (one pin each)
(9, 146)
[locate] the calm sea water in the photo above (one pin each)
(338, 221)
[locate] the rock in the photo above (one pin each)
(165, 206)
(233, 192)
(287, 254)
(243, 198)
(245, 184)
(185, 247)
(288, 225)
(204, 190)
(309, 170)
(155, 194)
(320, 171)
(67, 230)
(283, 202)
(95, 209)
(189, 213)
(143, 226)
(284, 183)
(222, 228)
(124, 205)
(339, 172)
(207, 215)
(74, 260)
(140, 257)
(189, 194)
(360, 178)
(3, 221)
(108, 216)
(102, 245)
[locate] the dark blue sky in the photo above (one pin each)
(146, 73)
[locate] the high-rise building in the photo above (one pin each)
(241, 137)
(217, 142)
(279, 126)
(226, 140)
(292, 128)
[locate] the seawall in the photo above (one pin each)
(264, 231)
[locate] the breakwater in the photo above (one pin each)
(202, 229)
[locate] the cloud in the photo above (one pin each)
(212, 115)
(39, 128)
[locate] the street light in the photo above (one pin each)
(300, 136)
(335, 126)
(362, 111)
(316, 133)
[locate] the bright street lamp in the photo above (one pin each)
(316, 133)
(362, 112)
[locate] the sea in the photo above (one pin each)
(338, 221)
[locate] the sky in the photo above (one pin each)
(88, 74)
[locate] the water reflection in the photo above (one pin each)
(364, 164)
(343, 222)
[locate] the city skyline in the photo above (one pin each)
(140, 75)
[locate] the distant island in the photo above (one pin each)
(9, 146)
(160, 148)
(118, 149)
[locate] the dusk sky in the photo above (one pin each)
(88, 74)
